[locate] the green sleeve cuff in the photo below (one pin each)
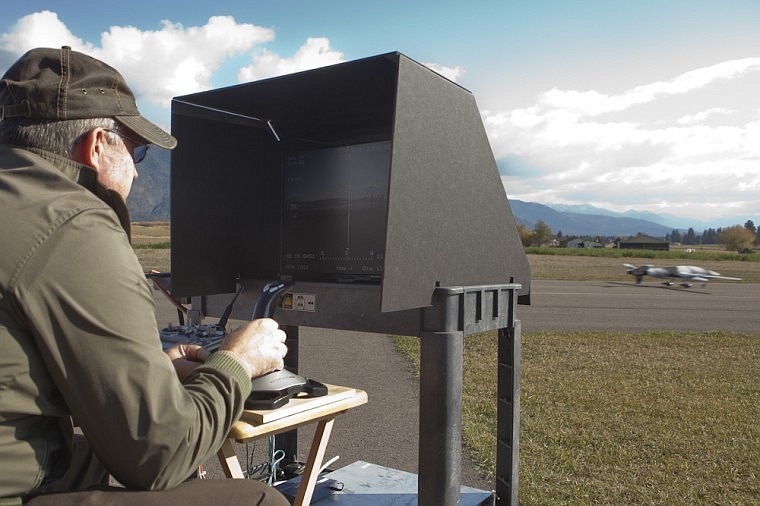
(226, 362)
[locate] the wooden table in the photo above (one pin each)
(298, 411)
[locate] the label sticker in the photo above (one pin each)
(300, 302)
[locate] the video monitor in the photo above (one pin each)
(335, 203)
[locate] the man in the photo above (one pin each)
(78, 332)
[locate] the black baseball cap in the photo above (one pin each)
(60, 84)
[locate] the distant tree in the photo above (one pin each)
(757, 237)
(750, 225)
(526, 236)
(542, 234)
(559, 235)
(736, 238)
(674, 236)
(690, 237)
(710, 236)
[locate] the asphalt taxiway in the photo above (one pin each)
(565, 306)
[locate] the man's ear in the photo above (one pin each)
(90, 149)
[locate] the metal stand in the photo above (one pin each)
(440, 455)
(288, 441)
(508, 415)
(457, 312)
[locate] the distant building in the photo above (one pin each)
(583, 243)
(642, 241)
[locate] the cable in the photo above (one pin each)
(326, 464)
(275, 457)
(258, 472)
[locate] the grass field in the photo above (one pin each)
(151, 242)
(653, 418)
(611, 418)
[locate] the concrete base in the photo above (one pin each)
(365, 484)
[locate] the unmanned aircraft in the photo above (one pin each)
(686, 272)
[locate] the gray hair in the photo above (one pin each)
(58, 137)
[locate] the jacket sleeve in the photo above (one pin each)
(91, 309)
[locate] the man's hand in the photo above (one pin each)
(259, 346)
(186, 357)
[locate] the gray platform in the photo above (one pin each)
(363, 484)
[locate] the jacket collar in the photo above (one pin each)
(86, 176)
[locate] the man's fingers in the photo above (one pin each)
(199, 354)
(266, 323)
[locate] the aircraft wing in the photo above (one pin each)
(697, 273)
(703, 278)
(723, 277)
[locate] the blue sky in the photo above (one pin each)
(647, 105)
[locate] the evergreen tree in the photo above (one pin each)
(709, 236)
(690, 237)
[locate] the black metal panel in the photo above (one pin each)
(448, 218)
(449, 221)
(344, 103)
(226, 172)
(225, 210)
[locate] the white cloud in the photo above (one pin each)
(702, 116)
(41, 29)
(450, 73)
(316, 52)
(594, 103)
(638, 149)
(176, 60)
(157, 64)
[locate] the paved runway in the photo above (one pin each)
(385, 431)
(624, 306)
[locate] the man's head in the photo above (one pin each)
(61, 84)
(77, 106)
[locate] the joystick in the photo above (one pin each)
(275, 389)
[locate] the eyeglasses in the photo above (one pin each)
(139, 150)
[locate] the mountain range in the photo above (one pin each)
(599, 223)
(149, 201)
(149, 198)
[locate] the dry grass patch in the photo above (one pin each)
(154, 259)
(150, 232)
(152, 245)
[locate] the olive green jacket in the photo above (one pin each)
(78, 338)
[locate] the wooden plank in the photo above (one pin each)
(243, 431)
(296, 405)
(229, 461)
(314, 462)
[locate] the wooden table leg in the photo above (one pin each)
(316, 455)
(229, 461)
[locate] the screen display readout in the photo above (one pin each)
(335, 212)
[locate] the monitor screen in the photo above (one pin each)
(335, 210)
